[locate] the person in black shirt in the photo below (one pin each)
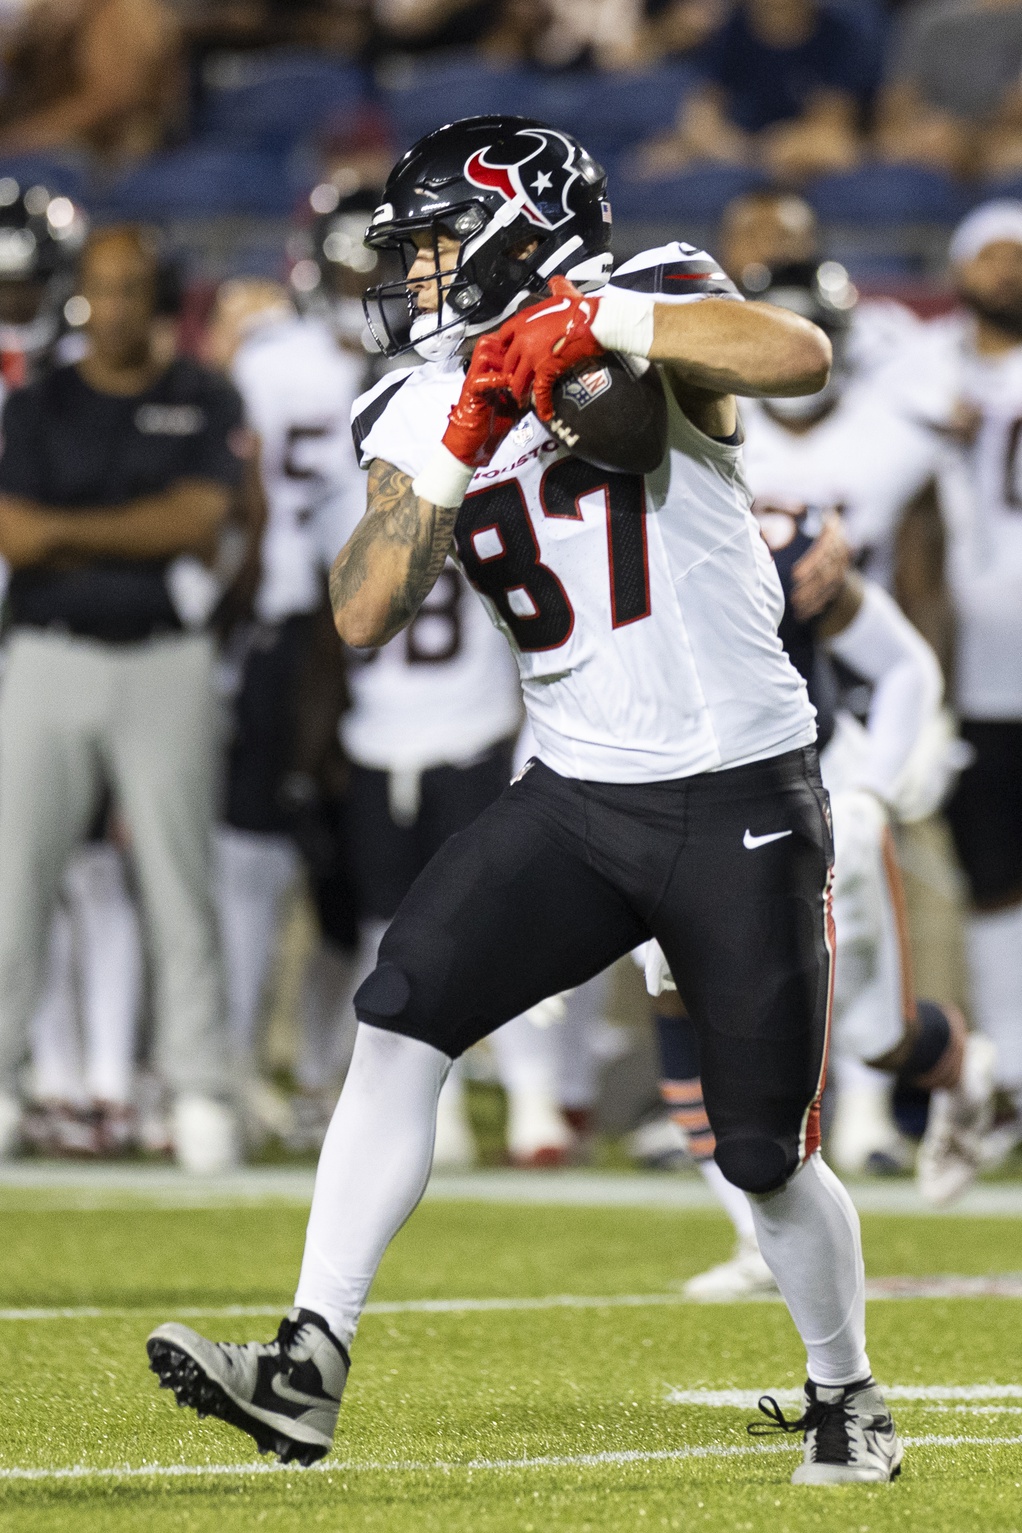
(116, 477)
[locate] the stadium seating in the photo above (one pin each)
(423, 95)
(611, 111)
(205, 180)
(608, 112)
(1002, 186)
(700, 193)
(274, 97)
(66, 175)
(888, 194)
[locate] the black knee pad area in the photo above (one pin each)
(754, 1162)
(383, 997)
(386, 999)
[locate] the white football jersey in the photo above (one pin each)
(977, 400)
(865, 457)
(440, 693)
(298, 385)
(642, 613)
(986, 562)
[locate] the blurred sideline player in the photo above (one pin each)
(965, 377)
(852, 446)
(83, 1034)
(298, 374)
(642, 611)
(868, 772)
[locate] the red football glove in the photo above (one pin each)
(486, 409)
(547, 339)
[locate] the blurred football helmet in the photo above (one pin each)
(498, 185)
(331, 263)
(40, 237)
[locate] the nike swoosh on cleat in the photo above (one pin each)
(750, 842)
(283, 1389)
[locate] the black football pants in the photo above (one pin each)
(558, 878)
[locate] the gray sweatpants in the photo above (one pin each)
(75, 714)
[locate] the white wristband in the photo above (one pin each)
(444, 480)
(624, 322)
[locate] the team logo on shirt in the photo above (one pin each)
(539, 181)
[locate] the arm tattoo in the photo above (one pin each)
(396, 516)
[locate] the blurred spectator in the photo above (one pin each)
(679, 26)
(413, 26)
(339, 25)
(115, 479)
(784, 82)
(951, 99)
(96, 74)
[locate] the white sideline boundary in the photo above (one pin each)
(999, 1286)
(448, 1466)
(59, 1186)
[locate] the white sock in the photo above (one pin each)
(55, 1041)
(108, 948)
(732, 1199)
(808, 1232)
(253, 873)
(995, 971)
(372, 1171)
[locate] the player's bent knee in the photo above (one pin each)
(387, 999)
(755, 1162)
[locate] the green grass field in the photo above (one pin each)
(485, 1419)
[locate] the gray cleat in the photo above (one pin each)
(849, 1435)
(285, 1393)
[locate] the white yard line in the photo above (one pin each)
(447, 1466)
(1003, 1286)
(746, 1399)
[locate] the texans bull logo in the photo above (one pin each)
(539, 181)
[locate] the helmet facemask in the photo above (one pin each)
(486, 284)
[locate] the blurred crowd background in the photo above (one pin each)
(208, 812)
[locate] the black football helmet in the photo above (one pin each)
(494, 184)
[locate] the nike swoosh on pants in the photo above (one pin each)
(750, 842)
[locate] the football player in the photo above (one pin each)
(965, 376)
(855, 446)
(83, 1034)
(676, 790)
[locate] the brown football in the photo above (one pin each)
(611, 411)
